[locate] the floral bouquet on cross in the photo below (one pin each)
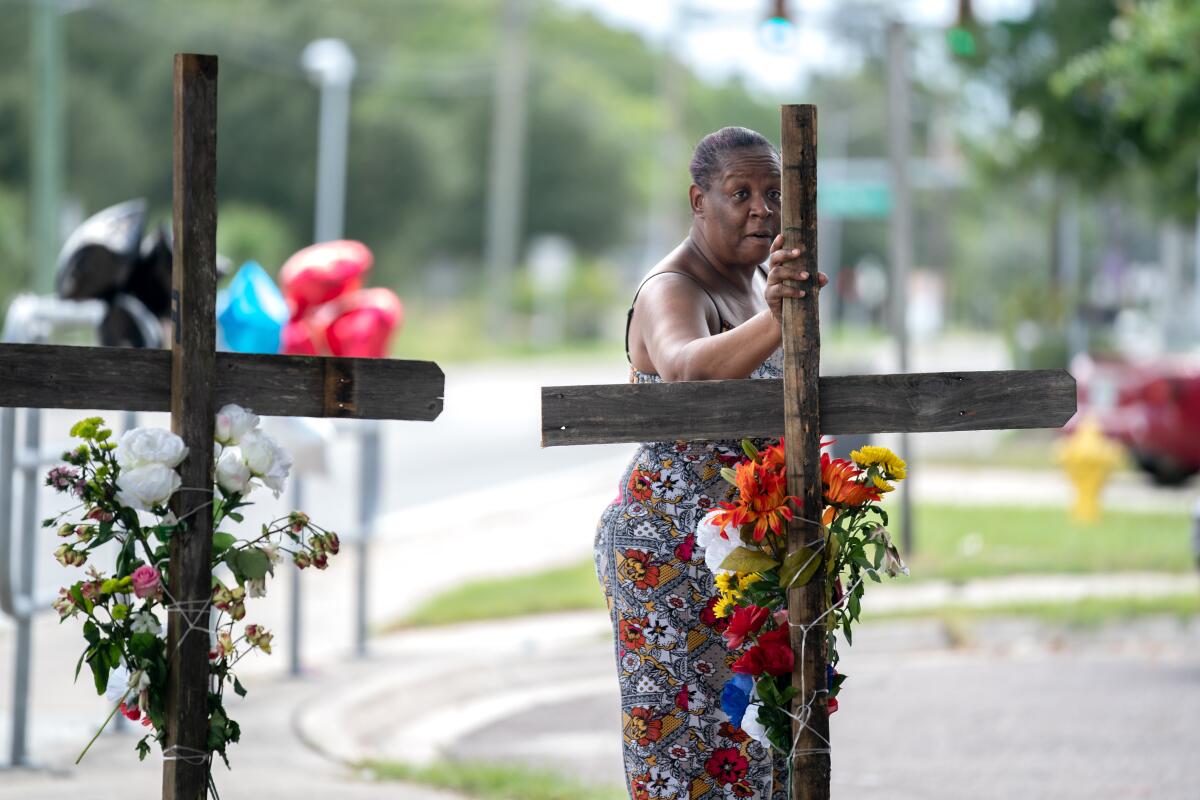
(745, 546)
(123, 490)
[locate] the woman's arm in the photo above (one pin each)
(674, 319)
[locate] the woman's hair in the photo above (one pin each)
(712, 149)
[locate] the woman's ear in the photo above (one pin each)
(696, 196)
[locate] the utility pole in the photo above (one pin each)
(46, 140)
(900, 233)
(330, 66)
(665, 224)
(506, 181)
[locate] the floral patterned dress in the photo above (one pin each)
(671, 660)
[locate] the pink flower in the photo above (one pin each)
(146, 581)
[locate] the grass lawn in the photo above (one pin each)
(961, 542)
(493, 781)
(1087, 612)
(953, 542)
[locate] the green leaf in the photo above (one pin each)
(236, 516)
(729, 475)
(113, 655)
(90, 631)
(99, 672)
(799, 567)
(237, 687)
(750, 450)
(222, 542)
(143, 748)
(744, 560)
(253, 563)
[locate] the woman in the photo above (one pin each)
(707, 311)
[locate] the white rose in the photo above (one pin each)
(232, 473)
(234, 422)
(282, 465)
(258, 451)
(147, 486)
(141, 446)
(716, 547)
(256, 587)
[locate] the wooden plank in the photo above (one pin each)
(709, 410)
(802, 360)
(48, 376)
(193, 363)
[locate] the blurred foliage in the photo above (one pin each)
(253, 233)
(14, 245)
(1146, 78)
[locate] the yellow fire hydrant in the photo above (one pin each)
(1089, 458)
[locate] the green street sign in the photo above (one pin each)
(870, 200)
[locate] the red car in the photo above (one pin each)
(1150, 406)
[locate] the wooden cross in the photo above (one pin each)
(802, 406)
(192, 381)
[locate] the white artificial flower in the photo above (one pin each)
(755, 729)
(141, 446)
(232, 474)
(716, 547)
(145, 622)
(118, 685)
(276, 477)
(233, 423)
(256, 587)
(147, 486)
(257, 452)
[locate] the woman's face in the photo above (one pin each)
(738, 215)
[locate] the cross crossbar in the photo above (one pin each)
(734, 409)
(54, 376)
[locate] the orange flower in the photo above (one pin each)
(840, 478)
(762, 500)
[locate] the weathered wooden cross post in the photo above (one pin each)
(802, 407)
(192, 381)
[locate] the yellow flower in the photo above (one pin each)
(748, 580)
(727, 581)
(881, 484)
(888, 462)
(723, 607)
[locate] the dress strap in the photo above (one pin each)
(629, 314)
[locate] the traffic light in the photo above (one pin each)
(777, 31)
(961, 38)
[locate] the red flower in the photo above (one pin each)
(642, 727)
(630, 633)
(745, 621)
(710, 619)
(778, 658)
(638, 569)
(832, 706)
(639, 485)
(132, 713)
(681, 699)
(772, 655)
(727, 765)
(686, 548)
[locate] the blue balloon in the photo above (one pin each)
(252, 311)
